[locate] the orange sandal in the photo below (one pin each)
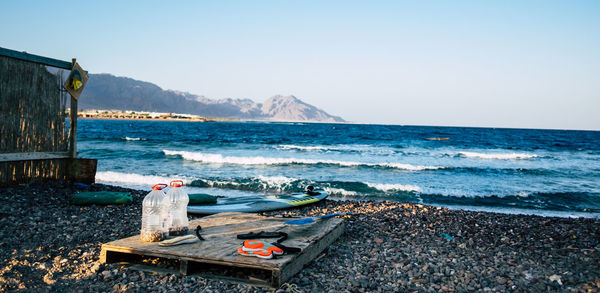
(258, 245)
(260, 253)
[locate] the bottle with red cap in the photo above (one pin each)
(155, 212)
(178, 201)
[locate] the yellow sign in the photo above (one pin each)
(76, 81)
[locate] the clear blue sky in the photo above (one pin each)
(532, 64)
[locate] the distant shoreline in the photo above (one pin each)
(148, 116)
(166, 119)
(153, 116)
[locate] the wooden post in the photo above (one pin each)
(73, 126)
(82, 170)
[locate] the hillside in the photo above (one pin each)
(105, 91)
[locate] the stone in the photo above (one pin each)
(555, 278)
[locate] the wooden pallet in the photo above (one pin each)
(217, 256)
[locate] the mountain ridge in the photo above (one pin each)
(106, 91)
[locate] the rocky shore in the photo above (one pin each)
(48, 245)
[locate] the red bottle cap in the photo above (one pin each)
(176, 183)
(159, 186)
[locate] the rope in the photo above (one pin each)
(198, 228)
(262, 234)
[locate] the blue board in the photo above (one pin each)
(258, 204)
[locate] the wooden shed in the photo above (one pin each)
(36, 140)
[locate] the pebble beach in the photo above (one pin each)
(48, 245)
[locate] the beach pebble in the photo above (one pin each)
(555, 278)
(386, 247)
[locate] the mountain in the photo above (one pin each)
(290, 108)
(106, 91)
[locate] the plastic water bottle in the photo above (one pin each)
(178, 200)
(155, 215)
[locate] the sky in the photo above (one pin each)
(517, 64)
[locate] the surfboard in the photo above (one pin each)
(253, 204)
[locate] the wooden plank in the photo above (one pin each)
(310, 253)
(82, 170)
(4, 173)
(183, 267)
(220, 246)
(15, 172)
(35, 58)
(13, 157)
(23, 167)
(73, 122)
(73, 129)
(219, 250)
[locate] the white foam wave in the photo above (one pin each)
(219, 159)
(397, 187)
(131, 178)
(132, 138)
(276, 180)
(361, 148)
(260, 182)
(404, 166)
(497, 156)
(218, 183)
(303, 148)
(340, 191)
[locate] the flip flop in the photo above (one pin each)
(258, 245)
(261, 253)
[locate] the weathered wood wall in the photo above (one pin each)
(24, 171)
(32, 119)
(32, 108)
(76, 170)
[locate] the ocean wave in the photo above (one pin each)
(276, 180)
(503, 171)
(303, 148)
(558, 201)
(282, 183)
(345, 148)
(496, 156)
(132, 138)
(394, 187)
(219, 159)
(340, 192)
(259, 183)
(132, 178)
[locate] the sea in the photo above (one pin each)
(521, 171)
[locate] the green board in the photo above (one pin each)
(101, 198)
